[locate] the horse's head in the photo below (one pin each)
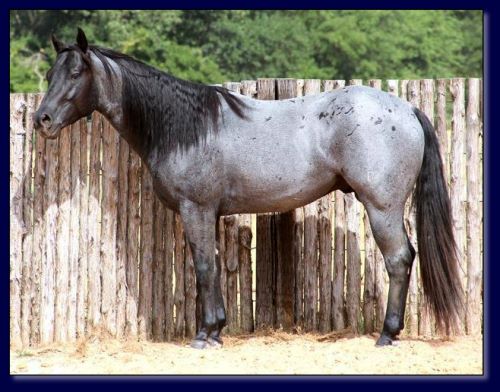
(71, 94)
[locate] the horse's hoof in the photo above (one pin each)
(383, 340)
(215, 342)
(198, 344)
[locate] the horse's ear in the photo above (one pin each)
(58, 45)
(81, 40)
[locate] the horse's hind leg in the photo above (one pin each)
(390, 235)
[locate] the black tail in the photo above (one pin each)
(436, 245)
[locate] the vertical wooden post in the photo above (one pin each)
(264, 280)
(133, 225)
(404, 89)
(74, 229)
(311, 86)
(169, 273)
(110, 144)
(353, 289)
(63, 222)
(245, 270)
(231, 256)
(17, 134)
(249, 88)
(94, 244)
(158, 272)
(265, 263)
(413, 94)
(83, 239)
(286, 222)
(298, 262)
(180, 309)
(310, 265)
(338, 302)
(375, 83)
(474, 267)
(38, 234)
(441, 128)
(146, 257)
(392, 87)
(427, 106)
(47, 310)
(457, 184)
(121, 238)
(325, 263)
(28, 262)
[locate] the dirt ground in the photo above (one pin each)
(261, 353)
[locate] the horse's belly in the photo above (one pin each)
(276, 188)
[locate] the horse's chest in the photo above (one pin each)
(190, 177)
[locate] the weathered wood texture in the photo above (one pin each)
(94, 216)
(458, 188)
(38, 235)
(144, 317)
(17, 134)
(133, 226)
(121, 238)
(93, 250)
(473, 320)
(110, 147)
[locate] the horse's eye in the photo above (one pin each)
(75, 75)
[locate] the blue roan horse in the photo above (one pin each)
(213, 153)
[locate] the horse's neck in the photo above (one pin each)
(110, 105)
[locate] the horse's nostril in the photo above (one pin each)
(46, 120)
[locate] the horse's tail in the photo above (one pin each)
(436, 244)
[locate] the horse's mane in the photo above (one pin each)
(164, 111)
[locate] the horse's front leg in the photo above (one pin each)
(199, 225)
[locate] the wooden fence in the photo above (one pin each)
(92, 249)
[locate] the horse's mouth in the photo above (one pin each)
(51, 133)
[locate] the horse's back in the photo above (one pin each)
(285, 154)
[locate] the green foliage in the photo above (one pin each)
(396, 44)
(214, 46)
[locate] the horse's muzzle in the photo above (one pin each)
(44, 125)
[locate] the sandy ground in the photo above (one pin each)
(262, 353)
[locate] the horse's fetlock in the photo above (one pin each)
(392, 324)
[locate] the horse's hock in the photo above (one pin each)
(92, 248)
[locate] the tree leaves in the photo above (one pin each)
(221, 45)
